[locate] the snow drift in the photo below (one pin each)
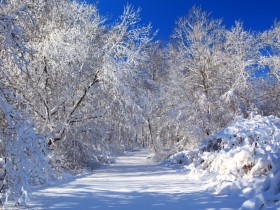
(237, 158)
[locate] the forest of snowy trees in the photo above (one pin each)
(77, 89)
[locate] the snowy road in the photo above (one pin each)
(131, 184)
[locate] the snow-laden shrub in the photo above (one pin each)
(181, 158)
(267, 195)
(245, 149)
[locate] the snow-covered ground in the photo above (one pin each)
(132, 183)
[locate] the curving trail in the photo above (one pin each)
(131, 184)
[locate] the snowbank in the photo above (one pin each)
(239, 158)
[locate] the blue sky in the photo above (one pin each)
(256, 15)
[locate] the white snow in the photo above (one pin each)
(132, 183)
(243, 158)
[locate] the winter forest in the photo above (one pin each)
(76, 91)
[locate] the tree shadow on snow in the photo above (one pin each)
(105, 199)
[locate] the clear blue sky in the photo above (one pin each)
(256, 15)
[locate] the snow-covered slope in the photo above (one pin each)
(238, 159)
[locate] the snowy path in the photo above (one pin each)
(131, 184)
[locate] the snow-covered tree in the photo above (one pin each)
(198, 53)
(270, 50)
(23, 153)
(87, 78)
(207, 83)
(267, 81)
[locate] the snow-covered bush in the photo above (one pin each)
(267, 194)
(245, 149)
